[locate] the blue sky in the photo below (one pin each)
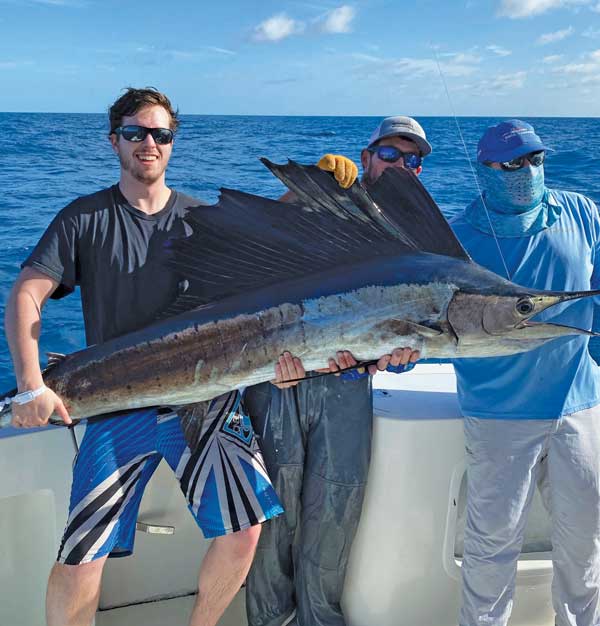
(371, 57)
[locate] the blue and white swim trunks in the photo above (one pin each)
(224, 479)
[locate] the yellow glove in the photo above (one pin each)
(344, 169)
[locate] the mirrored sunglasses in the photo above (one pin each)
(391, 154)
(137, 134)
(534, 158)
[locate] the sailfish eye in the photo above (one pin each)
(525, 306)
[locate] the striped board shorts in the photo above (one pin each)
(223, 479)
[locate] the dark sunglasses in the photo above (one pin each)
(161, 136)
(391, 154)
(534, 158)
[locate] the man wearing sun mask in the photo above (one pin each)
(532, 417)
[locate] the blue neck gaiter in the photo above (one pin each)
(517, 203)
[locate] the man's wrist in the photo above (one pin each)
(29, 380)
(25, 397)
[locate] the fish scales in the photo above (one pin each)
(202, 361)
(196, 363)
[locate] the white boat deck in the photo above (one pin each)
(405, 561)
(172, 612)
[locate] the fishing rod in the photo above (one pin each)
(464, 144)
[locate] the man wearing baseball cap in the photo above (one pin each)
(397, 142)
(532, 417)
(316, 440)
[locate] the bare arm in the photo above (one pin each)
(22, 323)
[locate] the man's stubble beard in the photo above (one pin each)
(367, 179)
(128, 165)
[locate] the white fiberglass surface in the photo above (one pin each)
(27, 531)
(397, 566)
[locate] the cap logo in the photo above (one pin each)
(517, 131)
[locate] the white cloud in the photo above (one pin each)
(12, 65)
(281, 26)
(499, 85)
(462, 57)
(339, 20)
(498, 50)
(502, 82)
(277, 27)
(428, 66)
(158, 55)
(526, 8)
(552, 59)
(220, 50)
(61, 3)
(359, 56)
(458, 64)
(557, 35)
(588, 71)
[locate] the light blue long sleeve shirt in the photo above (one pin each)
(559, 377)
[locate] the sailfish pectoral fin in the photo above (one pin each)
(406, 328)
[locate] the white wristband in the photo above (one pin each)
(28, 396)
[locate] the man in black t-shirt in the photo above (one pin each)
(110, 244)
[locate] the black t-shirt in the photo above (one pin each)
(116, 254)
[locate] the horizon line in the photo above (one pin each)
(506, 116)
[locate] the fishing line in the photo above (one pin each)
(479, 190)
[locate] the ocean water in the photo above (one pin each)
(49, 159)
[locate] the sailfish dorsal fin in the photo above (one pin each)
(246, 242)
(398, 202)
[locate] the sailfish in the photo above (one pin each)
(352, 269)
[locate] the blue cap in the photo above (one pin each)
(508, 140)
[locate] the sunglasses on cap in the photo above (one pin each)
(391, 154)
(534, 158)
(137, 134)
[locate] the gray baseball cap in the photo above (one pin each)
(402, 126)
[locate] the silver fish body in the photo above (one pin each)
(443, 307)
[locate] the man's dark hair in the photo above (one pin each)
(133, 100)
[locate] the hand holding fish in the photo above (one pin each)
(289, 368)
(399, 356)
(38, 411)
